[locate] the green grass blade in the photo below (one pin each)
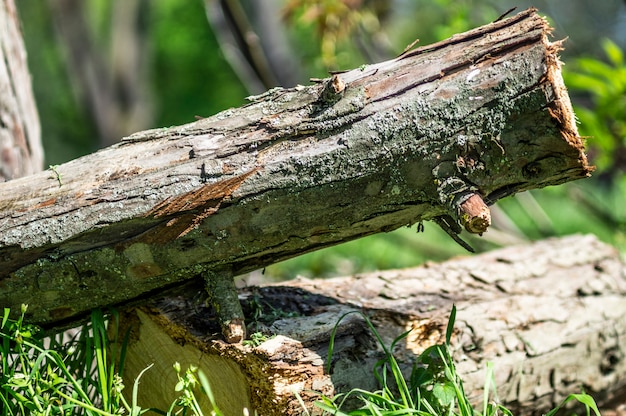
(450, 328)
(300, 402)
(99, 339)
(582, 398)
(329, 406)
(135, 409)
(5, 317)
(489, 384)
(204, 382)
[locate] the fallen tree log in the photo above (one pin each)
(550, 316)
(435, 134)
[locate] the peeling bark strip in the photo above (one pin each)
(427, 136)
(200, 203)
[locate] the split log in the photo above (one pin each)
(551, 317)
(435, 134)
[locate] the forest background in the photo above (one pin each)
(103, 69)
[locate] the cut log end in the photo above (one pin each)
(561, 109)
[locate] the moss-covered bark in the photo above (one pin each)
(481, 115)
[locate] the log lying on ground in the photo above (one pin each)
(551, 317)
(432, 135)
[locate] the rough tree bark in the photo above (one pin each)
(550, 316)
(21, 152)
(430, 135)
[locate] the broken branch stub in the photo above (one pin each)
(436, 134)
(475, 215)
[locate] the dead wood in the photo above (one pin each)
(550, 316)
(437, 134)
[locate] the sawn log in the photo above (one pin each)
(438, 133)
(550, 316)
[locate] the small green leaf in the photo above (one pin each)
(5, 317)
(582, 398)
(613, 52)
(445, 393)
(588, 401)
(180, 385)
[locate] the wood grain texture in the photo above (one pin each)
(483, 113)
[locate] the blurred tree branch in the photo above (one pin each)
(111, 84)
(254, 42)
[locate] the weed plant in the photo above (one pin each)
(434, 388)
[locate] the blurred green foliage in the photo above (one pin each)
(604, 121)
(333, 23)
(190, 75)
(66, 131)
(343, 34)
(401, 248)
(598, 88)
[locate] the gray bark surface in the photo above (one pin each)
(430, 135)
(550, 316)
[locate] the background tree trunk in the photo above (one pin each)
(254, 42)
(21, 152)
(427, 136)
(112, 82)
(550, 316)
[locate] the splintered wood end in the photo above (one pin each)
(475, 215)
(234, 331)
